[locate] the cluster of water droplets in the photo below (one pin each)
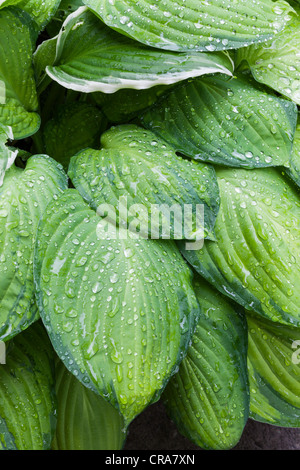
(221, 121)
(277, 62)
(24, 196)
(253, 220)
(195, 25)
(109, 298)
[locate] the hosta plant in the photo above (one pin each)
(149, 219)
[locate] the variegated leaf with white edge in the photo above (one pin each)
(88, 57)
(7, 156)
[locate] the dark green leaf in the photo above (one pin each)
(209, 397)
(40, 11)
(85, 421)
(74, 127)
(27, 398)
(228, 122)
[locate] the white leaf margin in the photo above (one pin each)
(7, 155)
(89, 86)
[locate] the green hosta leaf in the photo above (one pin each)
(147, 185)
(294, 170)
(209, 398)
(23, 123)
(116, 318)
(256, 257)
(53, 99)
(85, 421)
(5, 134)
(27, 399)
(277, 63)
(274, 372)
(267, 406)
(229, 122)
(43, 56)
(6, 3)
(89, 55)
(7, 156)
(74, 127)
(23, 198)
(124, 105)
(40, 11)
(18, 99)
(194, 25)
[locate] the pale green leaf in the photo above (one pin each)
(115, 317)
(277, 63)
(43, 56)
(294, 170)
